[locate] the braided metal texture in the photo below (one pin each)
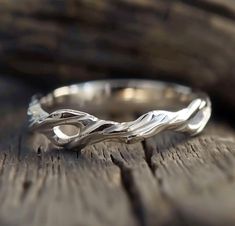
(90, 129)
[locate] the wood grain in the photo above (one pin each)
(168, 180)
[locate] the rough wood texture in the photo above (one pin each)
(189, 40)
(167, 180)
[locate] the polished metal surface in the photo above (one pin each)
(70, 116)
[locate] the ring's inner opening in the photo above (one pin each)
(119, 100)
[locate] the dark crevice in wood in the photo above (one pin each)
(218, 9)
(19, 147)
(122, 155)
(148, 151)
(194, 150)
(52, 165)
(39, 163)
(39, 151)
(131, 191)
(26, 187)
(3, 163)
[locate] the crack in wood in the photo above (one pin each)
(132, 193)
(148, 151)
(3, 162)
(26, 187)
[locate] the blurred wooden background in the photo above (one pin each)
(167, 180)
(192, 41)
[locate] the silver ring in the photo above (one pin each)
(66, 116)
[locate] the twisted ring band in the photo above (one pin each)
(66, 116)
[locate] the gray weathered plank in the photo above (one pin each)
(167, 180)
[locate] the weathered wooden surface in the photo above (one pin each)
(167, 180)
(189, 40)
